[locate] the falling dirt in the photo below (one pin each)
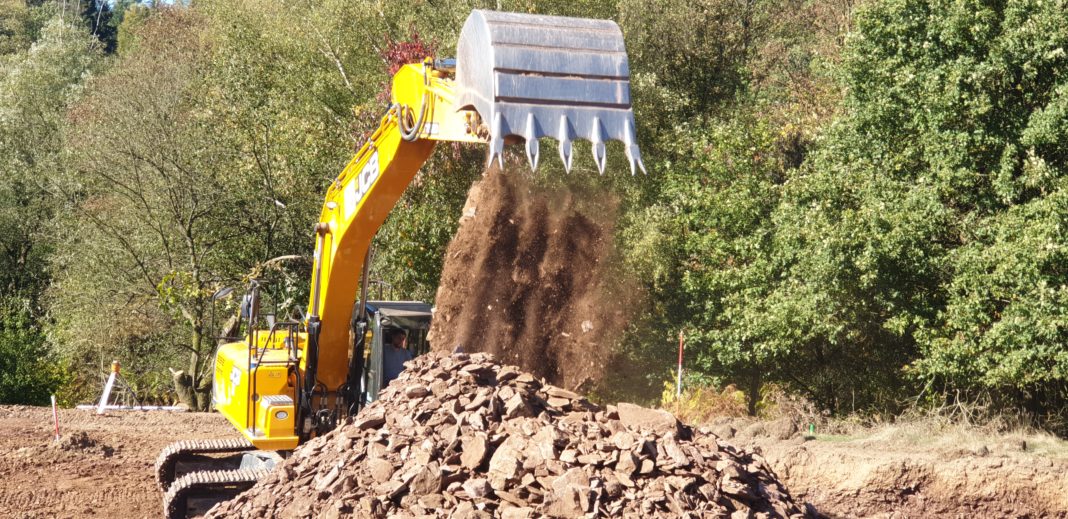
(526, 278)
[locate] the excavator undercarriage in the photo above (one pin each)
(196, 474)
(516, 77)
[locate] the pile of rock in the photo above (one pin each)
(461, 436)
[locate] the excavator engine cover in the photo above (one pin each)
(536, 76)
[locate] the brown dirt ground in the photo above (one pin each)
(870, 477)
(103, 467)
(526, 278)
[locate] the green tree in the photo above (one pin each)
(705, 249)
(37, 84)
(727, 140)
(150, 198)
(21, 23)
(923, 231)
(992, 141)
(130, 19)
(29, 371)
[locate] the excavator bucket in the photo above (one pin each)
(536, 76)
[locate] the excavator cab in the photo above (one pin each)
(386, 317)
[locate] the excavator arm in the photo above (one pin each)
(357, 203)
(519, 77)
(516, 78)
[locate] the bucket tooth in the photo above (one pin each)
(597, 140)
(532, 145)
(496, 144)
(634, 155)
(532, 153)
(564, 137)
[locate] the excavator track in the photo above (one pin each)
(214, 486)
(167, 462)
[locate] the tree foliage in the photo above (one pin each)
(29, 371)
(859, 204)
(40, 76)
(912, 243)
(916, 246)
(991, 143)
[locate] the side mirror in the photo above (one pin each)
(250, 303)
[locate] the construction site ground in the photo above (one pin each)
(103, 466)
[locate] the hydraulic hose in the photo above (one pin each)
(412, 133)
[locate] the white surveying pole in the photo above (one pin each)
(55, 416)
(678, 379)
(107, 388)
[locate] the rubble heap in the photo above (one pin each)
(460, 436)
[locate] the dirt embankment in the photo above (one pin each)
(526, 278)
(913, 469)
(865, 480)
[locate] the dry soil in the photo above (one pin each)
(838, 477)
(865, 477)
(102, 467)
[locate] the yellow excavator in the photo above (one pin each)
(516, 78)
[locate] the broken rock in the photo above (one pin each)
(459, 436)
(637, 418)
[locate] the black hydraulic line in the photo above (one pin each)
(412, 134)
(354, 381)
(311, 368)
(306, 391)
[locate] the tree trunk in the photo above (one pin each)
(200, 382)
(183, 385)
(203, 394)
(753, 391)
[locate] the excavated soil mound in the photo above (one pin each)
(526, 279)
(461, 436)
(80, 441)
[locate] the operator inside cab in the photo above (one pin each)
(394, 354)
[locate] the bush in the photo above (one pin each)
(704, 402)
(29, 373)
